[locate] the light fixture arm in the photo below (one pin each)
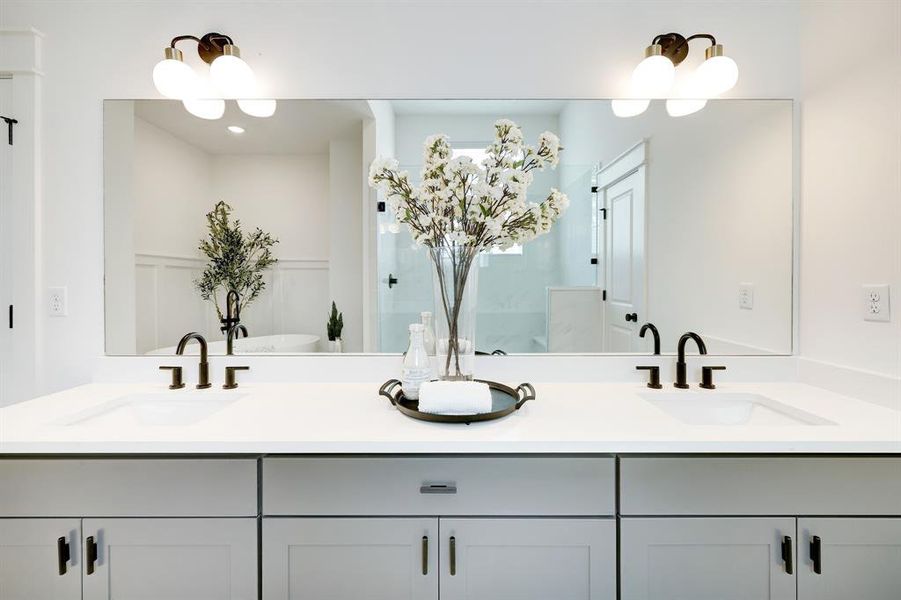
(210, 47)
(674, 46)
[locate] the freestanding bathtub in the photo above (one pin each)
(289, 343)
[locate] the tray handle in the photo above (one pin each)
(526, 391)
(387, 389)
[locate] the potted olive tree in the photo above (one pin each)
(334, 327)
(236, 260)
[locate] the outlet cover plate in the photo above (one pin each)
(876, 306)
(57, 302)
(746, 296)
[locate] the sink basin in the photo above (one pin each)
(730, 408)
(155, 409)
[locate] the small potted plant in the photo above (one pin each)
(334, 326)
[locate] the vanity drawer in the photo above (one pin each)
(177, 487)
(756, 485)
(465, 485)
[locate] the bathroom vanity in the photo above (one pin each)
(592, 491)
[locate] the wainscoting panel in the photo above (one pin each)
(295, 300)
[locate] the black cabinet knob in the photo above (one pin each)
(632, 317)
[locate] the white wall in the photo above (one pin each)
(850, 181)
(719, 198)
(105, 49)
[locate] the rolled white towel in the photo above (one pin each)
(454, 398)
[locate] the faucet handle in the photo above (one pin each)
(177, 382)
(707, 376)
(653, 375)
(231, 381)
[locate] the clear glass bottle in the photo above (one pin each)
(428, 335)
(417, 367)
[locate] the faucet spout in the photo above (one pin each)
(653, 329)
(681, 379)
(233, 333)
(204, 366)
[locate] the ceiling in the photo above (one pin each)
(297, 127)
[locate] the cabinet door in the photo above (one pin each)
(175, 559)
(33, 563)
(707, 559)
(350, 559)
(528, 559)
(856, 558)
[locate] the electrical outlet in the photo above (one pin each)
(876, 305)
(57, 302)
(746, 296)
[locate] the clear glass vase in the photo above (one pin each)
(455, 276)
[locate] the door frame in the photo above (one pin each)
(20, 52)
(608, 174)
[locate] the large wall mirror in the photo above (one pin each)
(683, 222)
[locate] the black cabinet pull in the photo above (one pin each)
(788, 555)
(816, 554)
(62, 554)
(90, 554)
(453, 555)
(425, 555)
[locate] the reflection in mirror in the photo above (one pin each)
(683, 222)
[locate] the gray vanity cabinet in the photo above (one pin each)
(528, 559)
(176, 559)
(33, 562)
(347, 559)
(707, 559)
(856, 558)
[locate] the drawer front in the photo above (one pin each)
(760, 486)
(128, 487)
(549, 486)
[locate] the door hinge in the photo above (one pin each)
(9, 125)
(603, 295)
(594, 260)
(594, 189)
(603, 213)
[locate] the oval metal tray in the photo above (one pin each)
(504, 400)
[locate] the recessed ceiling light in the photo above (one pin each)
(235, 129)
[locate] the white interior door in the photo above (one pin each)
(856, 558)
(528, 559)
(624, 259)
(175, 559)
(350, 559)
(707, 559)
(40, 559)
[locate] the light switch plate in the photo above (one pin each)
(746, 296)
(57, 302)
(876, 305)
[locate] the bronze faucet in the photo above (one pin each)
(680, 361)
(232, 336)
(204, 368)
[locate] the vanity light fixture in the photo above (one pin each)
(236, 129)
(230, 77)
(655, 74)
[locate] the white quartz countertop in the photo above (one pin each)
(311, 418)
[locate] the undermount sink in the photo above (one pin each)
(155, 409)
(730, 408)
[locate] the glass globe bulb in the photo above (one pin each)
(653, 77)
(257, 108)
(716, 75)
(205, 108)
(232, 76)
(628, 107)
(174, 79)
(680, 107)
